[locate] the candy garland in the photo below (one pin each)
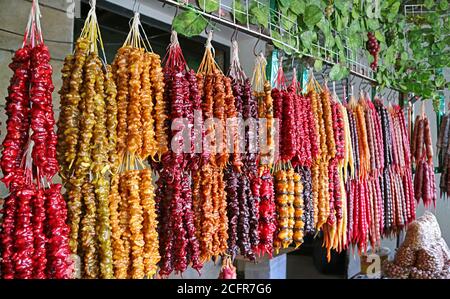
(443, 152)
(211, 202)
(422, 153)
(141, 134)
(320, 178)
(242, 175)
(88, 85)
(262, 93)
(179, 246)
(335, 229)
(34, 237)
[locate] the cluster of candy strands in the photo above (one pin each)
(88, 112)
(443, 150)
(335, 229)
(422, 154)
(321, 108)
(179, 246)
(262, 93)
(212, 226)
(141, 134)
(34, 236)
(380, 197)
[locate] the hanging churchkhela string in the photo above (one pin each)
(140, 134)
(34, 236)
(422, 154)
(213, 225)
(267, 208)
(178, 205)
(87, 94)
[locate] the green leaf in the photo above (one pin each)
(443, 5)
(339, 43)
(440, 81)
(342, 5)
(354, 41)
(318, 65)
(394, 8)
(329, 41)
(313, 15)
(379, 36)
(334, 72)
(404, 56)
(209, 5)
(189, 23)
(370, 10)
(288, 20)
(283, 9)
(239, 12)
(390, 56)
(428, 4)
(339, 24)
(345, 19)
(338, 72)
(261, 14)
(354, 27)
(284, 3)
(373, 24)
(298, 6)
(307, 38)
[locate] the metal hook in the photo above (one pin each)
(256, 44)
(324, 74)
(176, 13)
(234, 35)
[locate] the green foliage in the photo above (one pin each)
(209, 5)
(239, 12)
(189, 23)
(260, 14)
(412, 49)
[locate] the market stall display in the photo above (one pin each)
(165, 168)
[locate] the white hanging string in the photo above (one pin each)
(236, 70)
(174, 39)
(208, 44)
(259, 73)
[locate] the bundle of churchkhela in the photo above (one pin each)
(178, 204)
(34, 234)
(87, 97)
(422, 155)
(165, 168)
(443, 152)
(139, 134)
